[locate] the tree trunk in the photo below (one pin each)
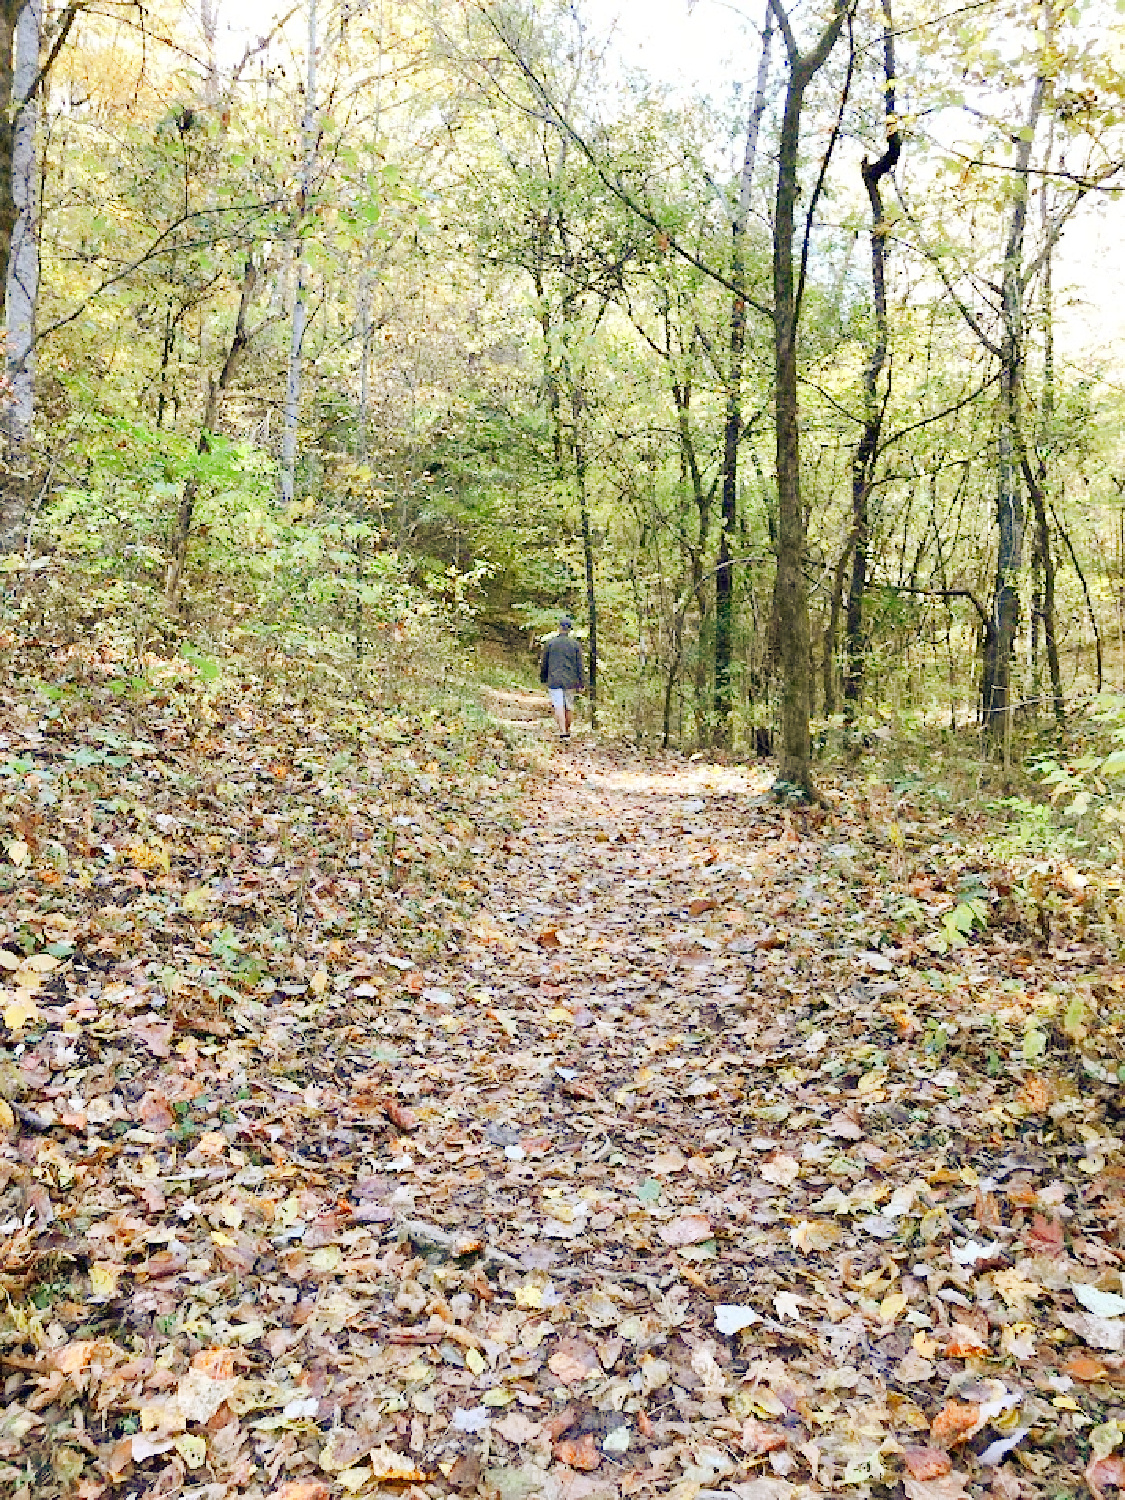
(724, 573)
(863, 462)
(23, 262)
(791, 592)
(579, 454)
(216, 390)
(300, 295)
(996, 687)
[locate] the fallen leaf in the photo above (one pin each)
(927, 1463)
(579, 1453)
(574, 1360)
(955, 1423)
(688, 1229)
(1105, 1473)
(949, 1486)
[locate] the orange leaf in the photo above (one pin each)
(1085, 1367)
(301, 1489)
(955, 1423)
(926, 1463)
(579, 1453)
(400, 1116)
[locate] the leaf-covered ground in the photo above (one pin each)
(422, 1108)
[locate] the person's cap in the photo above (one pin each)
(565, 623)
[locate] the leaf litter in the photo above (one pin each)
(402, 1111)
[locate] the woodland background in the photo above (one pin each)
(412, 323)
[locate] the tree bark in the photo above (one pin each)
(23, 261)
(791, 592)
(996, 681)
(724, 573)
(863, 462)
(579, 454)
(297, 327)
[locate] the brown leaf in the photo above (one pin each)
(955, 1423)
(688, 1229)
(574, 1360)
(1104, 1472)
(579, 1453)
(1044, 1236)
(761, 1437)
(465, 1473)
(700, 904)
(1085, 1367)
(926, 1463)
(399, 1116)
(548, 938)
(949, 1486)
(843, 1126)
(561, 1422)
(578, 1090)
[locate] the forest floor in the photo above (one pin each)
(437, 1109)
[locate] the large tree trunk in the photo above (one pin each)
(863, 462)
(1010, 517)
(724, 573)
(23, 263)
(790, 589)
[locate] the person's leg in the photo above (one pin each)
(568, 700)
(558, 703)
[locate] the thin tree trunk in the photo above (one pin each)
(1062, 531)
(216, 390)
(863, 462)
(791, 592)
(1001, 636)
(724, 573)
(300, 295)
(579, 454)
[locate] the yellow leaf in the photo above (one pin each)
(1014, 1289)
(891, 1307)
(530, 1294)
(195, 902)
(559, 1013)
(43, 962)
(327, 1258)
(17, 1013)
(192, 1449)
(319, 982)
(8, 960)
(924, 1344)
(103, 1279)
(498, 1396)
(18, 853)
(7, 1117)
(221, 1238)
(475, 1360)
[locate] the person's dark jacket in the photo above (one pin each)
(561, 663)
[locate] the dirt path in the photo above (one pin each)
(688, 1167)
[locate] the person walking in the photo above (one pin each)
(562, 670)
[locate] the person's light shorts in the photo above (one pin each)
(561, 698)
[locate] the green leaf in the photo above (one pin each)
(1034, 1044)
